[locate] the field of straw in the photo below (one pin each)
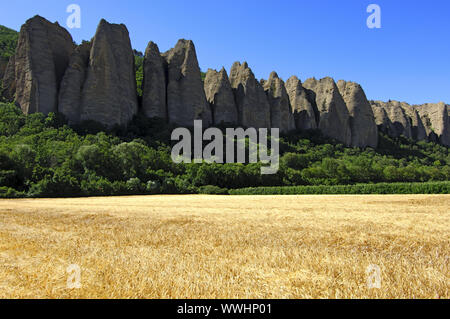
(226, 247)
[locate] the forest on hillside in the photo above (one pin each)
(8, 42)
(42, 156)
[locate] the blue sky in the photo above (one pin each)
(408, 59)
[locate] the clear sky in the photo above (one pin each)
(408, 59)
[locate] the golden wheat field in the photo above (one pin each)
(226, 247)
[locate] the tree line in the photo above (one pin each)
(41, 156)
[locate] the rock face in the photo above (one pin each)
(100, 81)
(186, 99)
(73, 83)
(397, 122)
(109, 92)
(251, 100)
(418, 131)
(334, 117)
(436, 121)
(9, 80)
(41, 58)
(280, 107)
(304, 110)
(381, 117)
(154, 84)
(362, 120)
(220, 97)
(3, 65)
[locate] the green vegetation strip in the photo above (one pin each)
(360, 189)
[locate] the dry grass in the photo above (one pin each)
(226, 247)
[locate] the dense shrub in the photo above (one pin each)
(212, 190)
(7, 192)
(382, 188)
(8, 42)
(139, 67)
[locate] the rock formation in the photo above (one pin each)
(108, 94)
(97, 81)
(398, 124)
(280, 107)
(186, 99)
(362, 121)
(381, 117)
(9, 80)
(3, 64)
(41, 58)
(154, 84)
(418, 131)
(436, 121)
(73, 83)
(427, 122)
(334, 117)
(251, 100)
(220, 97)
(304, 110)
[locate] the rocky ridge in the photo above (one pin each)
(96, 81)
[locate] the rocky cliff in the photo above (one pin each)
(436, 120)
(418, 131)
(34, 74)
(186, 99)
(100, 82)
(96, 81)
(334, 118)
(362, 120)
(303, 105)
(251, 100)
(109, 92)
(9, 80)
(220, 97)
(73, 83)
(154, 85)
(281, 115)
(394, 120)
